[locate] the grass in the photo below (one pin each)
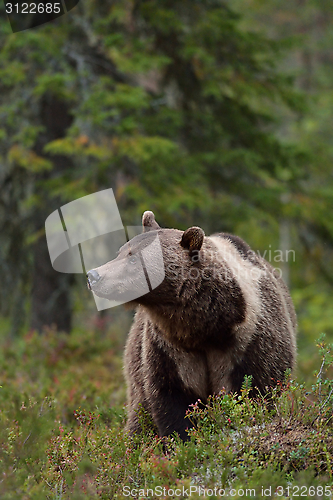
(61, 429)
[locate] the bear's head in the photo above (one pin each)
(152, 267)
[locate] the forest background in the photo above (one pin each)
(211, 113)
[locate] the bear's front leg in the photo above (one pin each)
(135, 378)
(169, 411)
(168, 399)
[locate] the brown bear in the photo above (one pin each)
(219, 313)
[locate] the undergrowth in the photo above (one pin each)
(62, 437)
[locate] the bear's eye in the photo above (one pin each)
(132, 259)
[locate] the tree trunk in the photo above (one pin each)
(50, 303)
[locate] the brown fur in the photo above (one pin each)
(219, 314)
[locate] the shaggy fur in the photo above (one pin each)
(219, 314)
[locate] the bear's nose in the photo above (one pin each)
(93, 276)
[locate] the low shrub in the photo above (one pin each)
(62, 437)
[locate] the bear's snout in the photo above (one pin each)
(93, 277)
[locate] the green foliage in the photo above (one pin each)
(308, 58)
(62, 429)
(172, 105)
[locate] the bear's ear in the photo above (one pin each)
(149, 222)
(192, 239)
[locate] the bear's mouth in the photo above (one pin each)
(115, 293)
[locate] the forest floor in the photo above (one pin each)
(62, 419)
